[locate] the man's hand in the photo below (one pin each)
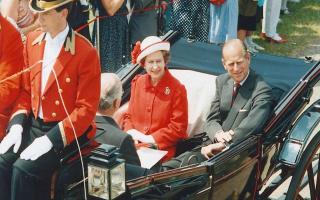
(37, 148)
(14, 137)
(211, 149)
(224, 137)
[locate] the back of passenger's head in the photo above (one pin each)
(111, 90)
(233, 44)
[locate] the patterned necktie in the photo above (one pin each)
(236, 87)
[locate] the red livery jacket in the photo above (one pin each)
(78, 72)
(11, 62)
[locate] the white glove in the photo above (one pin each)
(14, 137)
(37, 148)
(148, 139)
(137, 135)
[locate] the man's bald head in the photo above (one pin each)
(232, 45)
(236, 59)
(111, 90)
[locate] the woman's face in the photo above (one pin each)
(155, 66)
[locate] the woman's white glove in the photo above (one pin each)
(148, 139)
(37, 148)
(14, 137)
(137, 135)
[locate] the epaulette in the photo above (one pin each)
(70, 44)
(86, 39)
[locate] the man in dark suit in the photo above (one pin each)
(243, 100)
(242, 104)
(110, 99)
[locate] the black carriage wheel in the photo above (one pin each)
(305, 171)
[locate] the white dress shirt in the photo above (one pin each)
(52, 49)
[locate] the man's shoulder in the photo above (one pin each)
(7, 27)
(113, 133)
(260, 87)
(107, 121)
(260, 82)
(223, 78)
(8, 32)
(82, 40)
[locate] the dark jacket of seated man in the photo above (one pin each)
(243, 100)
(115, 136)
(110, 98)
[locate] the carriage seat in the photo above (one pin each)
(200, 92)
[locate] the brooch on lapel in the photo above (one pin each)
(167, 91)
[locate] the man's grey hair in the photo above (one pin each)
(111, 89)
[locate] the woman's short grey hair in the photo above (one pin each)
(111, 90)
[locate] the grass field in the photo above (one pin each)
(301, 27)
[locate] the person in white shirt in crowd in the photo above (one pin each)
(271, 13)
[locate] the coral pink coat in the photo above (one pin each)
(160, 111)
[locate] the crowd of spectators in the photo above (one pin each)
(121, 23)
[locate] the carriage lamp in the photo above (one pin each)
(106, 173)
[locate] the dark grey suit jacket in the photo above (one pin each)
(249, 112)
(115, 136)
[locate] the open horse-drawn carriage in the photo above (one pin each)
(289, 143)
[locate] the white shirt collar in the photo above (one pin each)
(244, 80)
(60, 37)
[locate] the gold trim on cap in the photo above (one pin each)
(45, 4)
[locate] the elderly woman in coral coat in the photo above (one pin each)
(158, 107)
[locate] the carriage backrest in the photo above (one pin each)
(200, 92)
